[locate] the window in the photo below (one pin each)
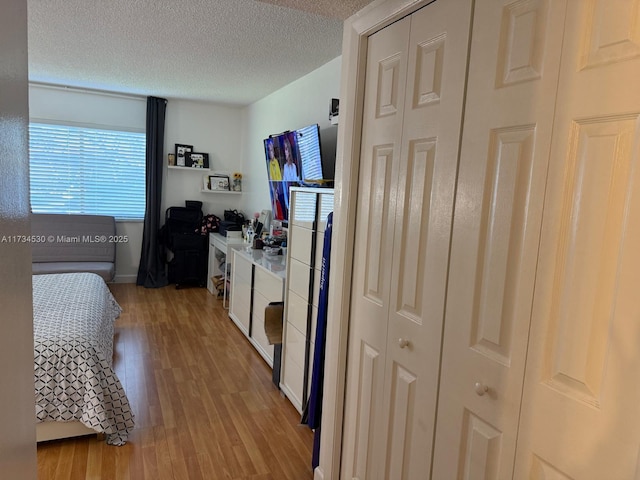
(85, 170)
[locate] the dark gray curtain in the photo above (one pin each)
(152, 272)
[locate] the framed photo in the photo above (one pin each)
(219, 182)
(196, 160)
(181, 151)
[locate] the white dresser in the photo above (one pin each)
(256, 280)
(307, 221)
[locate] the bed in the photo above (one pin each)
(77, 390)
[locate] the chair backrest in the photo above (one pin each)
(183, 220)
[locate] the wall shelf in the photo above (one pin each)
(226, 192)
(191, 169)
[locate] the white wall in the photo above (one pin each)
(303, 102)
(86, 107)
(212, 129)
(17, 413)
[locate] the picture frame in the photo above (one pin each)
(219, 182)
(181, 151)
(196, 160)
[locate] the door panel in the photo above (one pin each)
(480, 448)
(382, 124)
(369, 379)
(428, 163)
(513, 75)
(580, 417)
(377, 242)
(522, 43)
(410, 301)
(401, 421)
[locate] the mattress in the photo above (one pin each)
(73, 321)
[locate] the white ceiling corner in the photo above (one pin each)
(224, 51)
(333, 9)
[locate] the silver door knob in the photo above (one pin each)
(480, 388)
(403, 342)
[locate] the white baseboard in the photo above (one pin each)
(125, 279)
(318, 474)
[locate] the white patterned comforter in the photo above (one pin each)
(73, 322)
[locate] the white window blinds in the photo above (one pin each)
(87, 170)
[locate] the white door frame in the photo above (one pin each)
(357, 29)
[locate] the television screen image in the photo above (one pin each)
(293, 158)
(279, 200)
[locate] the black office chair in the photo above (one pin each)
(182, 237)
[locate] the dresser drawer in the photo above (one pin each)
(297, 308)
(241, 291)
(299, 275)
(242, 267)
(293, 368)
(240, 306)
(301, 241)
(295, 343)
(293, 379)
(270, 286)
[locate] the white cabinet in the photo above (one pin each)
(256, 281)
(241, 278)
(307, 221)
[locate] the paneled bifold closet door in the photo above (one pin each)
(414, 91)
(537, 377)
(581, 399)
(504, 156)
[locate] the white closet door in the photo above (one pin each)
(581, 401)
(513, 75)
(434, 101)
(406, 189)
(380, 152)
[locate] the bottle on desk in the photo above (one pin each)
(249, 234)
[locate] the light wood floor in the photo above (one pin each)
(203, 399)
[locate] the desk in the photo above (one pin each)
(224, 245)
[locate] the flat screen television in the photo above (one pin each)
(293, 158)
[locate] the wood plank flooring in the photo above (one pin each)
(203, 399)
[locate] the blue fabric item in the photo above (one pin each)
(317, 376)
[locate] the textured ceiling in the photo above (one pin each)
(225, 51)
